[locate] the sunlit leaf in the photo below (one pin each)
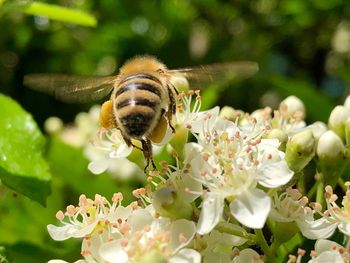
(60, 13)
(22, 166)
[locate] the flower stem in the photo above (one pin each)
(229, 229)
(320, 192)
(261, 241)
(312, 191)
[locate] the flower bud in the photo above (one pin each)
(318, 128)
(331, 154)
(300, 150)
(230, 113)
(330, 145)
(169, 204)
(53, 125)
(280, 135)
(337, 118)
(261, 115)
(293, 105)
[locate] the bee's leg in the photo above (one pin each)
(172, 107)
(147, 152)
(129, 143)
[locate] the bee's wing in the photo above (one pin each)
(202, 76)
(73, 89)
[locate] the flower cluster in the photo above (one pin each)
(241, 174)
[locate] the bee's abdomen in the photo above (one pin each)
(137, 106)
(137, 122)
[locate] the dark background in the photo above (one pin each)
(299, 45)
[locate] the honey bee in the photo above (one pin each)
(143, 95)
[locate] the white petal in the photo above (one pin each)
(121, 151)
(57, 261)
(322, 245)
(113, 252)
(60, 233)
(98, 166)
(327, 257)
(251, 208)
(268, 144)
(316, 229)
(211, 213)
(139, 219)
(191, 150)
(217, 238)
(82, 232)
(248, 255)
(186, 256)
(201, 117)
(344, 227)
(185, 183)
(275, 174)
(183, 228)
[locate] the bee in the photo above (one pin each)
(142, 95)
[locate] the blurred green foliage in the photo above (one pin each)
(303, 40)
(302, 48)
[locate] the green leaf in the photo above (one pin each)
(60, 13)
(22, 166)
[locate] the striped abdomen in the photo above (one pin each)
(138, 104)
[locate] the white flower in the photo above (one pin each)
(82, 220)
(218, 246)
(318, 128)
(312, 228)
(293, 106)
(290, 121)
(329, 251)
(114, 233)
(108, 145)
(339, 215)
(230, 164)
(157, 239)
(289, 206)
(85, 125)
(247, 255)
